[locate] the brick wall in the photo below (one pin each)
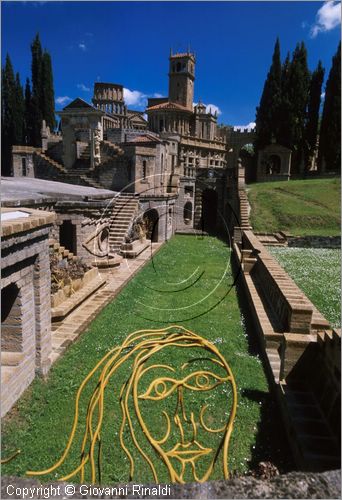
(26, 335)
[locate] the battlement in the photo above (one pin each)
(240, 130)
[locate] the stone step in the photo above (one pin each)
(62, 310)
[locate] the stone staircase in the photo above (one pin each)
(111, 149)
(82, 176)
(46, 161)
(124, 211)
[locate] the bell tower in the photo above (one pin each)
(181, 79)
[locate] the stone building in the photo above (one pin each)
(201, 163)
(180, 153)
(274, 163)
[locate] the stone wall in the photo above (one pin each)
(165, 215)
(185, 204)
(22, 161)
(302, 353)
(293, 485)
(26, 313)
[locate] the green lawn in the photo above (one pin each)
(41, 421)
(317, 271)
(301, 207)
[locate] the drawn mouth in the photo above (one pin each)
(188, 452)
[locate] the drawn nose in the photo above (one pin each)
(186, 425)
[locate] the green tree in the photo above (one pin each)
(311, 129)
(330, 132)
(19, 112)
(28, 113)
(8, 100)
(48, 105)
(267, 124)
(37, 91)
(295, 92)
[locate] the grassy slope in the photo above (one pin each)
(301, 207)
(305, 266)
(41, 421)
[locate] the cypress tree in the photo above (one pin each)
(330, 133)
(37, 91)
(28, 113)
(311, 130)
(284, 112)
(19, 112)
(267, 124)
(48, 109)
(8, 101)
(296, 81)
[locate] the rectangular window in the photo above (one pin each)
(189, 190)
(144, 169)
(23, 166)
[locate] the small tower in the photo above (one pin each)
(181, 79)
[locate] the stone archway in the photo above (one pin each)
(151, 221)
(187, 213)
(209, 210)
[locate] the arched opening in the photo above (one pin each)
(247, 155)
(151, 222)
(179, 66)
(67, 236)
(274, 164)
(11, 323)
(187, 213)
(209, 210)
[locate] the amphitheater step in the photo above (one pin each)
(61, 311)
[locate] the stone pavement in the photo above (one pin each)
(69, 330)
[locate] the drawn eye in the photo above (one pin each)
(203, 381)
(159, 389)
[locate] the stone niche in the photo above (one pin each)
(274, 163)
(25, 300)
(83, 228)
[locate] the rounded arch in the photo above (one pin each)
(187, 212)
(209, 210)
(274, 164)
(151, 221)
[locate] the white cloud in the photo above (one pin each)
(322, 95)
(304, 24)
(82, 46)
(211, 108)
(63, 99)
(249, 126)
(157, 95)
(328, 17)
(134, 98)
(83, 87)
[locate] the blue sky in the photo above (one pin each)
(129, 43)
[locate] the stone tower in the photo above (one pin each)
(181, 79)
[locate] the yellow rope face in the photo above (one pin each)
(191, 437)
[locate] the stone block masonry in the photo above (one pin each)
(25, 300)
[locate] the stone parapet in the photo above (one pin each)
(292, 485)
